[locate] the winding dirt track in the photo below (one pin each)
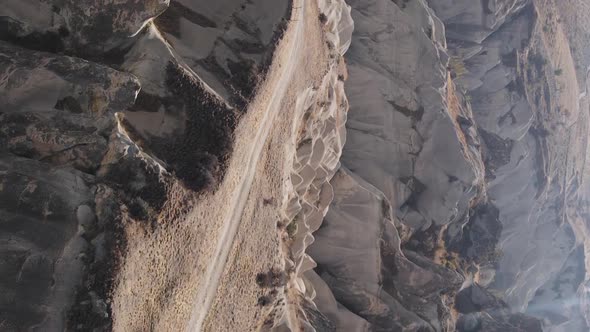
(232, 219)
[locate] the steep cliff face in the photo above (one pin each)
(523, 83)
(466, 144)
(406, 171)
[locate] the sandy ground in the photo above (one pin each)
(573, 15)
(561, 20)
(202, 268)
(236, 207)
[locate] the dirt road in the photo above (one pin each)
(216, 266)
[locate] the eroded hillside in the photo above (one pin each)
(460, 203)
(304, 165)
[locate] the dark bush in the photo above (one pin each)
(273, 278)
(199, 155)
(264, 300)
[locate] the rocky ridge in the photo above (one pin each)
(460, 152)
(457, 203)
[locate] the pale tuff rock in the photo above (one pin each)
(402, 140)
(319, 135)
(359, 258)
(396, 142)
(402, 98)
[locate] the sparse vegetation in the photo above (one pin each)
(100, 277)
(479, 242)
(245, 77)
(558, 71)
(264, 300)
(323, 18)
(457, 67)
(538, 61)
(199, 155)
(292, 229)
(497, 293)
(450, 261)
(429, 32)
(271, 279)
(494, 257)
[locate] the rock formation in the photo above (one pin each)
(453, 128)
(304, 165)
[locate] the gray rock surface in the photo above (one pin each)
(474, 166)
(414, 166)
(103, 108)
(405, 121)
(55, 121)
(359, 257)
(461, 201)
